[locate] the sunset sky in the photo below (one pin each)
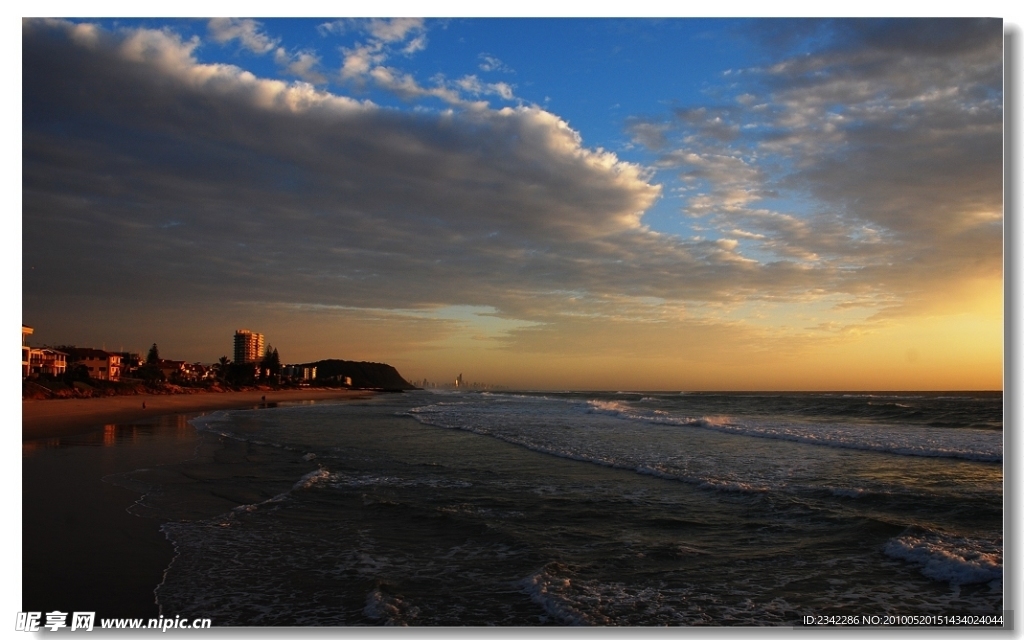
(581, 203)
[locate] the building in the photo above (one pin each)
(299, 372)
(102, 365)
(130, 362)
(198, 372)
(48, 362)
(174, 370)
(248, 346)
(26, 351)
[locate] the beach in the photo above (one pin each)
(82, 549)
(54, 418)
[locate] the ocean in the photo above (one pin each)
(520, 509)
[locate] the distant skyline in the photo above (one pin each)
(535, 203)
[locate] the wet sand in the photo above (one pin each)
(81, 549)
(62, 417)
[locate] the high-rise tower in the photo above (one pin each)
(248, 346)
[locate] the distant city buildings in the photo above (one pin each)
(248, 346)
(300, 372)
(460, 383)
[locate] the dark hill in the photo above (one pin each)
(365, 375)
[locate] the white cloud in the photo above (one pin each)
(874, 157)
(472, 85)
(304, 65)
(246, 31)
(394, 29)
(368, 62)
(490, 63)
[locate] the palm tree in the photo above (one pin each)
(222, 367)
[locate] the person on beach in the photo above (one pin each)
(143, 404)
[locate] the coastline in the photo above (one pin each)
(63, 417)
(81, 547)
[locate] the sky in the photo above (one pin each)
(687, 204)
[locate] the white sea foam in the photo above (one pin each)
(949, 558)
(591, 430)
(968, 444)
(344, 479)
(550, 593)
(580, 602)
(571, 443)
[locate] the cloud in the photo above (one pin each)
(367, 63)
(281, 192)
(395, 29)
(471, 84)
(873, 150)
(202, 185)
(247, 32)
(303, 65)
(648, 134)
(277, 191)
(490, 63)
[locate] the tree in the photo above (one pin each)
(153, 357)
(222, 367)
(271, 363)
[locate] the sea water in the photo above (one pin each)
(448, 508)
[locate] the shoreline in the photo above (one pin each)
(84, 550)
(52, 418)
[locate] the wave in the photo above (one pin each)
(431, 415)
(949, 558)
(981, 446)
(571, 601)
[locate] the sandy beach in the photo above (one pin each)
(54, 418)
